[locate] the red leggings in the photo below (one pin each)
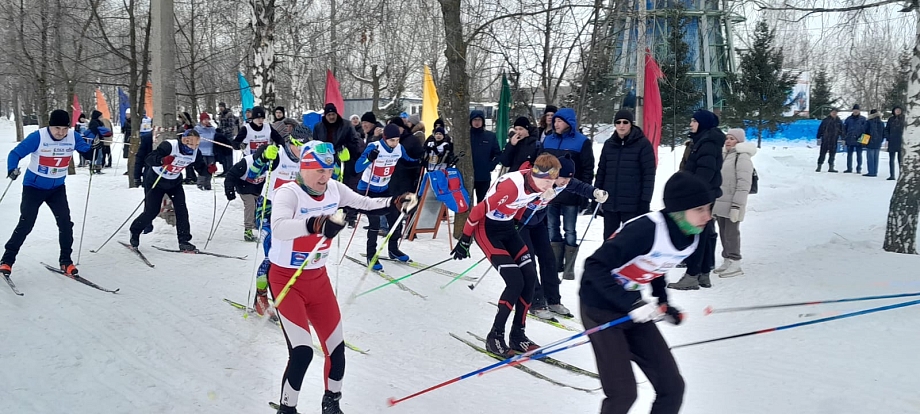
(310, 301)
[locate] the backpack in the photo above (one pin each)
(447, 185)
(754, 178)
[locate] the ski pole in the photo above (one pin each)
(710, 310)
(397, 280)
(5, 190)
(796, 325)
(473, 286)
(462, 274)
(370, 263)
(214, 230)
(540, 356)
(589, 224)
(157, 181)
(255, 260)
(535, 354)
(89, 187)
(213, 213)
(290, 283)
(358, 217)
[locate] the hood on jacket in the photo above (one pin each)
(95, 115)
(746, 147)
(477, 114)
(567, 115)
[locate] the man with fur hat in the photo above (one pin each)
(705, 162)
(829, 132)
(50, 150)
(640, 253)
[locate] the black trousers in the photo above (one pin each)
(829, 153)
(615, 349)
(892, 156)
(32, 199)
(613, 220)
(373, 229)
(502, 244)
(153, 201)
(704, 258)
(481, 188)
(536, 237)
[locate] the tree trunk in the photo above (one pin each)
(263, 52)
(901, 231)
(17, 115)
(457, 94)
(162, 27)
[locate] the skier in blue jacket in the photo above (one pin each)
(51, 150)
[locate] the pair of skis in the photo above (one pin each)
(59, 271)
(387, 277)
(147, 262)
(552, 322)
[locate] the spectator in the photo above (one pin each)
(545, 124)
(737, 177)
(439, 150)
(372, 130)
(80, 128)
(126, 134)
(829, 132)
(107, 143)
(333, 129)
(356, 124)
(229, 126)
(486, 151)
(894, 133)
(523, 146)
(279, 114)
(627, 172)
(876, 130)
(95, 123)
(211, 138)
(705, 162)
(563, 210)
(853, 128)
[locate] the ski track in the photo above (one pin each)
(167, 343)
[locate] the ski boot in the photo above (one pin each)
(69, 269)
(561, 310)
(248, 236)
(6, 269)
(521, 343)
(541, 312)
(398, 255)
(135, 240)
(377, 267)
(495, 344)
(331, 402)
(283, 409)
(687, 282)
(186, 247)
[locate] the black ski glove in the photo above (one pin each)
(372, 156)
(328, 226)
(672, 315)
(462, 249)
(230, 193)
(13, 174)
(138, 182)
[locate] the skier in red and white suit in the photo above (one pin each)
(493, 225)
(304, 213)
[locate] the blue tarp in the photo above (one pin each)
(803, 129)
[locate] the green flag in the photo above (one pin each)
(503, 117)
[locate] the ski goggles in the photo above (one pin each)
(551, 173)
(317, 155)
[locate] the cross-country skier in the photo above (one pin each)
(640, 253)
(535, 233)
(51, 149)
(167, 162)
(492, 224)
(247, 177)
(255, 133)
(304, 214)
(378, 162)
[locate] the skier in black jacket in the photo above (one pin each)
(523, 146)
(627, 172)
(247, 177)
(705, 162)
(639, 255)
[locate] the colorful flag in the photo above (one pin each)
(148, 100)
(246, 98)
(333, 95)
(429, 100)
(651, 116)
(102, 105)
(76, 111)
(123, 104)
(503, 116)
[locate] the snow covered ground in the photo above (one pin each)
(168, 344)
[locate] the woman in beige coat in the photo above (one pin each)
(737, 176)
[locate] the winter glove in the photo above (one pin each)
(734, 215)
(462, 249)
(672, 315)
(13, 174)
(328, 226)
(344, 155)
(600, 196)
(643, 311)
(270, 153)
(406, 202)
(138, 182)
(167, 160)
(372, 156)
(230, 193)
(212, 168)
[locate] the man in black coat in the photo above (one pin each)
(485, 149)
(705, 162)
(829, 132)
(523, 146)
(894, 133)
(333, 129)
(627, 172)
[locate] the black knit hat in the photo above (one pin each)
(258, 112)
(551, 108)
(685, 191)
(522, 121)
(330, 107)
(856, 107)
(625, 114)
(59, 118)
(568, 166)
(280, 108)
(369, 117)
(391, 131)
(440, 130)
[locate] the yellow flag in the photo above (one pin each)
(102, 105)
(429, 101)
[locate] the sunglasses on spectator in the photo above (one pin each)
(622, 122)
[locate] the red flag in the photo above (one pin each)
(333, 95)
(651, 116)
(76, 111)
